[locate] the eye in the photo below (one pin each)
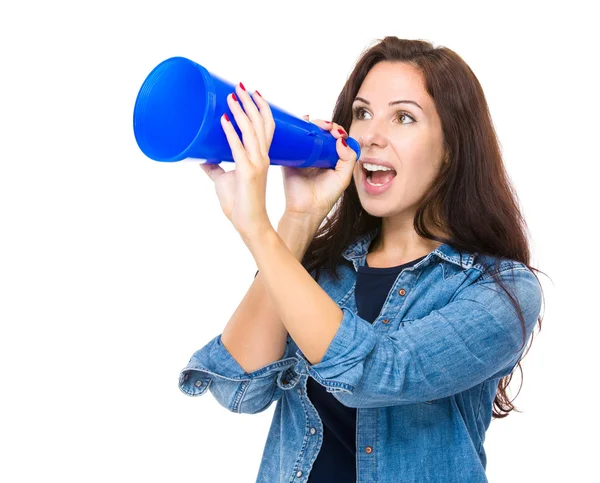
(358, 111)
(402, 114)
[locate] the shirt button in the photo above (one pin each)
(186, 376)
(368, 450)
(198, 383)
(402, 292)
(386, 321)
(285, 381)
(313, 430)
(299, 474)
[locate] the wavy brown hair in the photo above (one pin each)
(471, 199)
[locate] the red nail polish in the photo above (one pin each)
(226, 117)
(344, 142)
(258, 93)
(234, 97)
(327, 122)
(242, 86)
(341, 132)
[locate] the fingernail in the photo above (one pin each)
(327, 122)
(234, 97)
(344, 142)
(341, 132)
(242, 86)
(226, 117)
(258, 93)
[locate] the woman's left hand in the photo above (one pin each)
(242, 191)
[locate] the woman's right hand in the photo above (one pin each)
(312, 192)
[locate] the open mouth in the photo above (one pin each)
(379, 177)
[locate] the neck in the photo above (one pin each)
(398, 240)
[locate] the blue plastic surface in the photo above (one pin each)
(177, 116)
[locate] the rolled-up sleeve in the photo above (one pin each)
(476, 336)
(214, 368)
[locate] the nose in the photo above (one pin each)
(369, 133)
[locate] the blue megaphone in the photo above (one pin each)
(177, 116)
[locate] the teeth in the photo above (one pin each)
(375, 167)
(374, 184)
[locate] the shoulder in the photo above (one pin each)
(489, 267)
(500, 284)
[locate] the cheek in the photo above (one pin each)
(416, 174)
(417, 180)
(357, 172)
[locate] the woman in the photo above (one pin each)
(387, 334)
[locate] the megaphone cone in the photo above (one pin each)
(177, 116)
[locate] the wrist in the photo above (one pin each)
(297, 231)
(302, 220)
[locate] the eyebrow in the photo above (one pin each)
(391, 103)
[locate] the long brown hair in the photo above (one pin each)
(471, 199)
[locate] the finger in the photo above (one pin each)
(249, 139)
(323, 124)
(267, 115)
(345, 165)
(336, 130)
(305, 117)
(238, 150)
(212, 170)
(255, 117)
(347, 161)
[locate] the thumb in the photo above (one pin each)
(212, 170)
(347, 161)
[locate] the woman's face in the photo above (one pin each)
(407, 137)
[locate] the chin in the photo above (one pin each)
(383, 208)
(377, 211)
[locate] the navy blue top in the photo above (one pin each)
(336, 460)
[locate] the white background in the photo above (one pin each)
(116, 268)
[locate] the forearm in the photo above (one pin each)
(308, 313)
(255, 335)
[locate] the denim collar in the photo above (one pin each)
(360, 247)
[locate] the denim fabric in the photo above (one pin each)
(337, 456)
(423, 383)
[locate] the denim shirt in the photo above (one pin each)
(422, 376)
